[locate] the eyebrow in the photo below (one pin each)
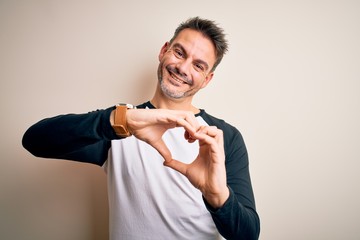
(178, 45)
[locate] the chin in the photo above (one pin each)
(170, 93)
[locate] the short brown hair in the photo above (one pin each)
(210, 30)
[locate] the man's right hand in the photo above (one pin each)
(149, 125)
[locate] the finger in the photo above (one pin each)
(177, 120)
(176, 165)
(161, 147)
(205, 139)
(187, 125)
(210, 131)
(189, 137)
(187, 119)
(190, 117)
(210, 135)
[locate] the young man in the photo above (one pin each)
(204, 188)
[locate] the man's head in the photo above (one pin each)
(188, 61)
(210, 30)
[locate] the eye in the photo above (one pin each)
(199, 67)
(178, 53)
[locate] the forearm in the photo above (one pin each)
(237, 218)
(235, 221)
(80, 137)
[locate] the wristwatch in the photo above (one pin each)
(120, 125)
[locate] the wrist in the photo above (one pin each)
(216, 201)
(118, 120)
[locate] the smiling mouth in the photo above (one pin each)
(176, 77)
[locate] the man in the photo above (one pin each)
(210, 190)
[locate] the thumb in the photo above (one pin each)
(177, 165)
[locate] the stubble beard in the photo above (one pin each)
(167, 90)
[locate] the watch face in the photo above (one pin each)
(128, 105)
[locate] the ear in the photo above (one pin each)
(207, 79)
(163, 50)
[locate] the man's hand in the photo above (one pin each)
(149, 125)
(207, 172)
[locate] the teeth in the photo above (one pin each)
(177, 79)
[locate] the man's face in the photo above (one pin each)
(185, 65)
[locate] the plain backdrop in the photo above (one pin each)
(290, 83)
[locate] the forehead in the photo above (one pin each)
(196, 45)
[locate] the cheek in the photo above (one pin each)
(162, 72)
(163, 63)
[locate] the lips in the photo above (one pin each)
(174, 73)
(177, 79)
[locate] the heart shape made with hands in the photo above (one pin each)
(207, 172)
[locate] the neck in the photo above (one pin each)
(173, 104)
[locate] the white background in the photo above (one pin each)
(290, 83)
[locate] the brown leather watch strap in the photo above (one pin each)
(120, 125)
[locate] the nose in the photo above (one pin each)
(183, 67)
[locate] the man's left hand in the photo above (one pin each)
(207, 172)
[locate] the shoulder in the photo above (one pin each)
(146, 105)
(226, 127)
(232, 136)
(234, 146)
